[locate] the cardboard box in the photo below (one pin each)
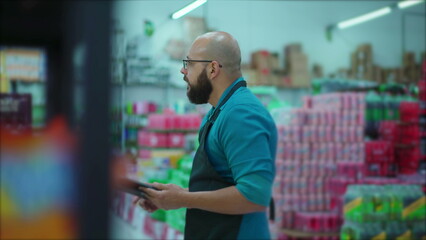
(292, 48)
(408, 59)
(250, 75)
(280, 78)
(297, 62)
(366, 47)
(264, 59)
(264, 77)
(300, 79)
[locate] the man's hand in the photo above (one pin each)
(145, 204)
(169, 196)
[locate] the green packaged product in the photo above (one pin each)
(398, 230)
(414, 203)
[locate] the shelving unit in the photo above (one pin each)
(300, 234)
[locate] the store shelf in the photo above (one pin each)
(148, 84)
(173, 131)
(300, 234)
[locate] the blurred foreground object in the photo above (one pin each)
(38, 193)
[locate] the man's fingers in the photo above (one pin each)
(135, 200)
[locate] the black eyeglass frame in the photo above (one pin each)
(186, 61)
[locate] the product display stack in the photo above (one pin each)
(384, 212)
(323, 137)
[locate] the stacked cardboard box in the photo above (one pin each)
(411, 70)
(362, 62)
(262, 66)
(392, 75)
(296, 65)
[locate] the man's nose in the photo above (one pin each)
(183, 71)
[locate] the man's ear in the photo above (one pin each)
(214, 70)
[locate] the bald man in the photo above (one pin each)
(234, 167)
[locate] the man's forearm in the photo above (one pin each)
(226, 201)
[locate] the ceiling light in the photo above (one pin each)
(188, 9)
(363, 18)
(408, 3)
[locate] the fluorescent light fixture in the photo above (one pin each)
(408, 3)
(363, 18)
(188, 8)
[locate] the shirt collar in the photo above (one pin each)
(224, 94)
(229, 89)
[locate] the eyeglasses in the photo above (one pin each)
(186, 61)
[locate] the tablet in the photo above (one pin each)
(133, 187)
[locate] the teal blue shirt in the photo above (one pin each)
(241, 146)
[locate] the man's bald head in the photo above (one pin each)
(222, 47)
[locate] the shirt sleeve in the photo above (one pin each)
(247, 137)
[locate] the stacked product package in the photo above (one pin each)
(384, 212)
(322, 137)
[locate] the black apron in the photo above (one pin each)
(201, 224)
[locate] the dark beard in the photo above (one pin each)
(200, 93)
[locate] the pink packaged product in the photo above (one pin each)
(191, 121)
(301, 116)
(288, 219)
(343, 151)
(297, 151)
(324, 134)
(158, 140)
(139, 108)
(307, 101)
(316, 222)
(279, 165)
(337, 185)
(144, 138)
(288, 151)
(160, 121)
(175, 140)
(283, 134)
(350, 169)
(307, 133)
(331, 117)
(360, 118)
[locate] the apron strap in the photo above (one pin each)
(233, 89)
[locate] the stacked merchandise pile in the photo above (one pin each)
(384, 212)
(402, 140)
(327, 131)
